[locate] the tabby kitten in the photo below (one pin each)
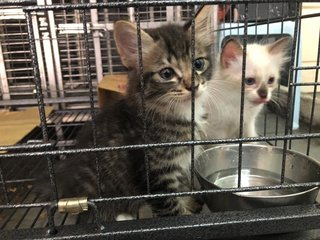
(263, 66)
(167, 76)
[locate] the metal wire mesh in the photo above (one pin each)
(17, 74)
(82, 50)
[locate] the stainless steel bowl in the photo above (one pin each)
(216, 168)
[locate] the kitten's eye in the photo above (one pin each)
(250, 81)
(167, 73)
(199, 64)
(271, 80)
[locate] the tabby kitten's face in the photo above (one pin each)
(167, 64)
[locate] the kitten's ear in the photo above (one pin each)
(230, 51)
(279, 46)
(125, 35)
(204, 25)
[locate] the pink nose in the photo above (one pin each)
(263, 93)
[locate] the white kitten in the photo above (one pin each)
(263, 66)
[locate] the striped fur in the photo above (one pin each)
(168, 119)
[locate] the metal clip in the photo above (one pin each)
(73, 205)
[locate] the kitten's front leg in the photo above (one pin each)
(191, 205)
(250, 128)
(171, 206)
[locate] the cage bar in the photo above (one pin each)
(242, 90)
(314, 95)
(290, 101)
(93, 112)
(143, 104)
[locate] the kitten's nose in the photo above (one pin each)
(263, 92)
(188, 84)
(189, 88)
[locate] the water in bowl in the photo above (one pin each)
(228, 178)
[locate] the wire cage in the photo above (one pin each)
(55, 53)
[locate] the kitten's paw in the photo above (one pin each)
(124, 217)
(191, 205)
(186, 212)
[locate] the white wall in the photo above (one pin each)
(309, 36)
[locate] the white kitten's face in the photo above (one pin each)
(263, 66)
(262, 74)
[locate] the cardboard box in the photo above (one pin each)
(111, 88)
(14, 125)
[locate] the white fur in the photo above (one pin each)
(225, 92)
(124, 217)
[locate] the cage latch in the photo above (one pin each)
(73, 205)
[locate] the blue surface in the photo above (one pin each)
(265, 29)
